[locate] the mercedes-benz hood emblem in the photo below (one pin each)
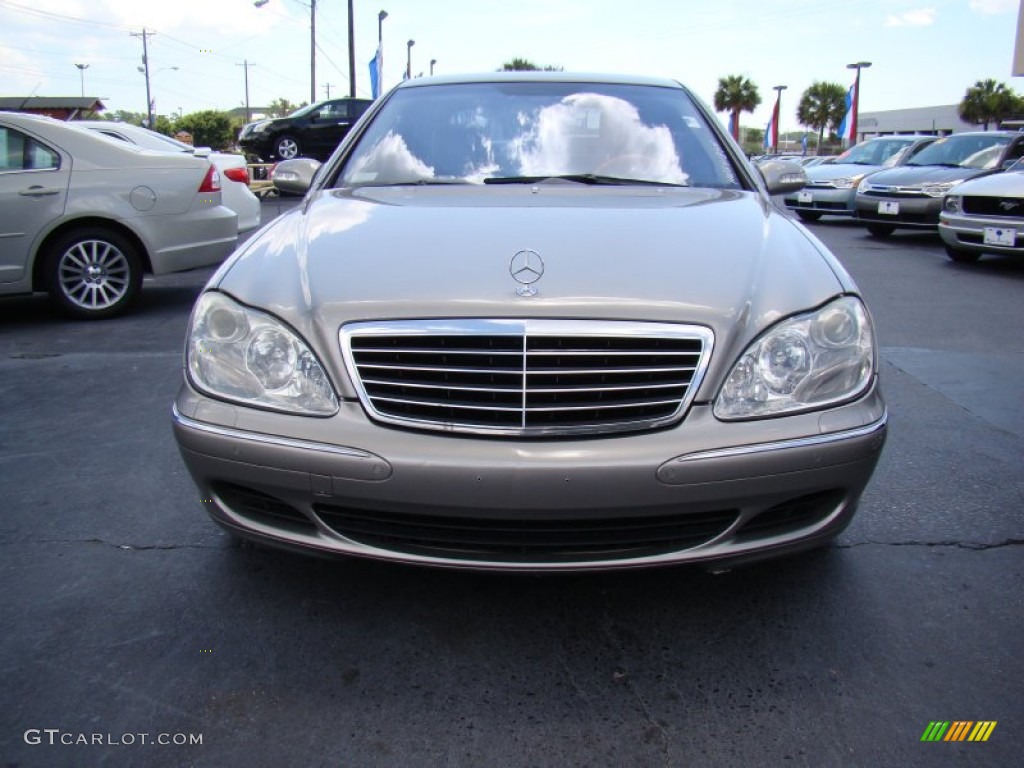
(526, 268)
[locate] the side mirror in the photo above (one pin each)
(294, 177)
(782, 176)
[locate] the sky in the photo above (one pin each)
(923, 52)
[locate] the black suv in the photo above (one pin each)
(311, 131)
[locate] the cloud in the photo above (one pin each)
(921, 17)
(200, 18)
(993, 7)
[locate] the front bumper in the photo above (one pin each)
(257, 145)
(967, 233)
(824, 200)
(704, 491)
(914, 212)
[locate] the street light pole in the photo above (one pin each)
(149, 98)
(81, 75)
(856, 95)
(776, 116)
(432, 63)
(408, 58)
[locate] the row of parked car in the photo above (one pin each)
(968, 186)
(87, 207)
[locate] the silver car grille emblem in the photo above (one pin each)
(1008, 205)
(526, 268)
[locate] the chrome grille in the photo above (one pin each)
(526, 377)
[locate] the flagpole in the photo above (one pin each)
(856, 96)
(775, 116)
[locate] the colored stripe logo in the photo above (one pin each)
(958, 730)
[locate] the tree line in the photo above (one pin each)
(823, 105)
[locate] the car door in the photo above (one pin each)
(328, 128)
(33, 192)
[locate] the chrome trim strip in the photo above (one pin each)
(785, 445)
(259, 437)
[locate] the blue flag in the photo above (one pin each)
(846, 127)
(376, 68)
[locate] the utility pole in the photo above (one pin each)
(351, 54)
(312, 51)
(327, 89)
(245, 63)
(145, 63)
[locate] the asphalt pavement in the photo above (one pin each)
(136, 634)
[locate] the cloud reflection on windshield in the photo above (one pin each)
(593, 133)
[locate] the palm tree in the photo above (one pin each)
(988, 102)
(736, 94)
(822, 106)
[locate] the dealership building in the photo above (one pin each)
(938, 121)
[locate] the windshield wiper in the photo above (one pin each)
(581, 178)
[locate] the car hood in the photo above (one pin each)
(726, 260)
(918, 175)
(839, 171)
(1010, 184)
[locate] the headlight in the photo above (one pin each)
(803, 363)
(239, 354)
(847, 182)
(261, 126)
(952, 204)
(938, 190)
(862, 187)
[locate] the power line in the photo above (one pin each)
(63, 17)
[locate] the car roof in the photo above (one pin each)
(541, 77)
(1001, 134)
(89, 147)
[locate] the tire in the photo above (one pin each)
(286, 148)
(808, 215)
(93, 273)
(881, 230)
(962, 257)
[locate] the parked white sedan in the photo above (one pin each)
(235, 192)
(985, 215)
(82, 217)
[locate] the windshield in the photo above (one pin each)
(303, 111)
(964, 151)
(873, 152)
(523, 132)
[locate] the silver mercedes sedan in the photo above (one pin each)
(539, 322)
